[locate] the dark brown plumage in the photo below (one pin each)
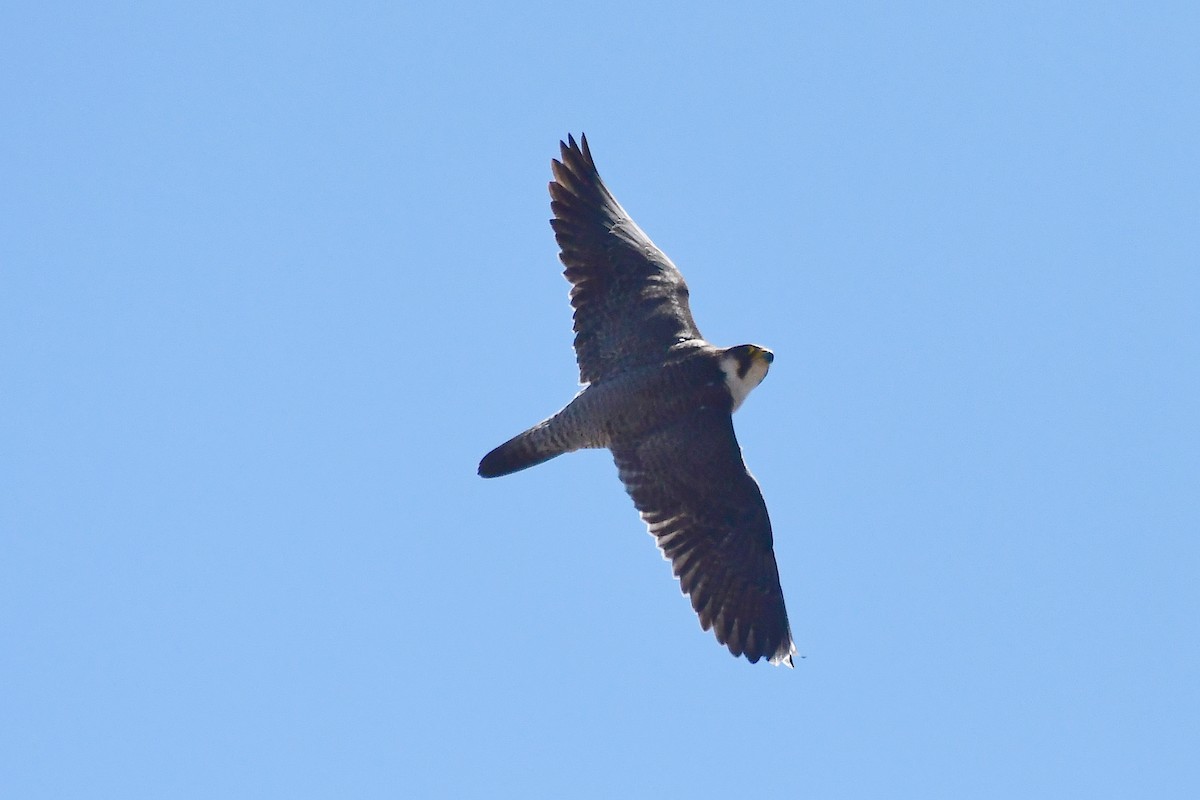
(631, 302)
(661, 399)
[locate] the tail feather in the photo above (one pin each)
(528, 449)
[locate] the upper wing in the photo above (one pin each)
(708, 515)
(631, 302)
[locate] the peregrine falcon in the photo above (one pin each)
(660, 398)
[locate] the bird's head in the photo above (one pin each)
(745, 366)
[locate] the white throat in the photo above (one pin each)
(740, 385)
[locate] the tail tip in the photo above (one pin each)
(489, 466)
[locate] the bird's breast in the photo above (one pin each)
(641, 400)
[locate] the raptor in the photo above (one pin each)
(661, 398)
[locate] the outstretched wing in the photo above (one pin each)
(631, 302)
(708, 515)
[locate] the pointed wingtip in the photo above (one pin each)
(568, 145)
(784, 657)
(580, 146)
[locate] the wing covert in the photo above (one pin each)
(708, 516)
(631, 302)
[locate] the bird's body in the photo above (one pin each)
(660, 398)
(622, 408)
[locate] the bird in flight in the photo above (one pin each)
(661, 398)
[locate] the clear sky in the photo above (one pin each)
(273, 278)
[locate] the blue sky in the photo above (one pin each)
(273, 278)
